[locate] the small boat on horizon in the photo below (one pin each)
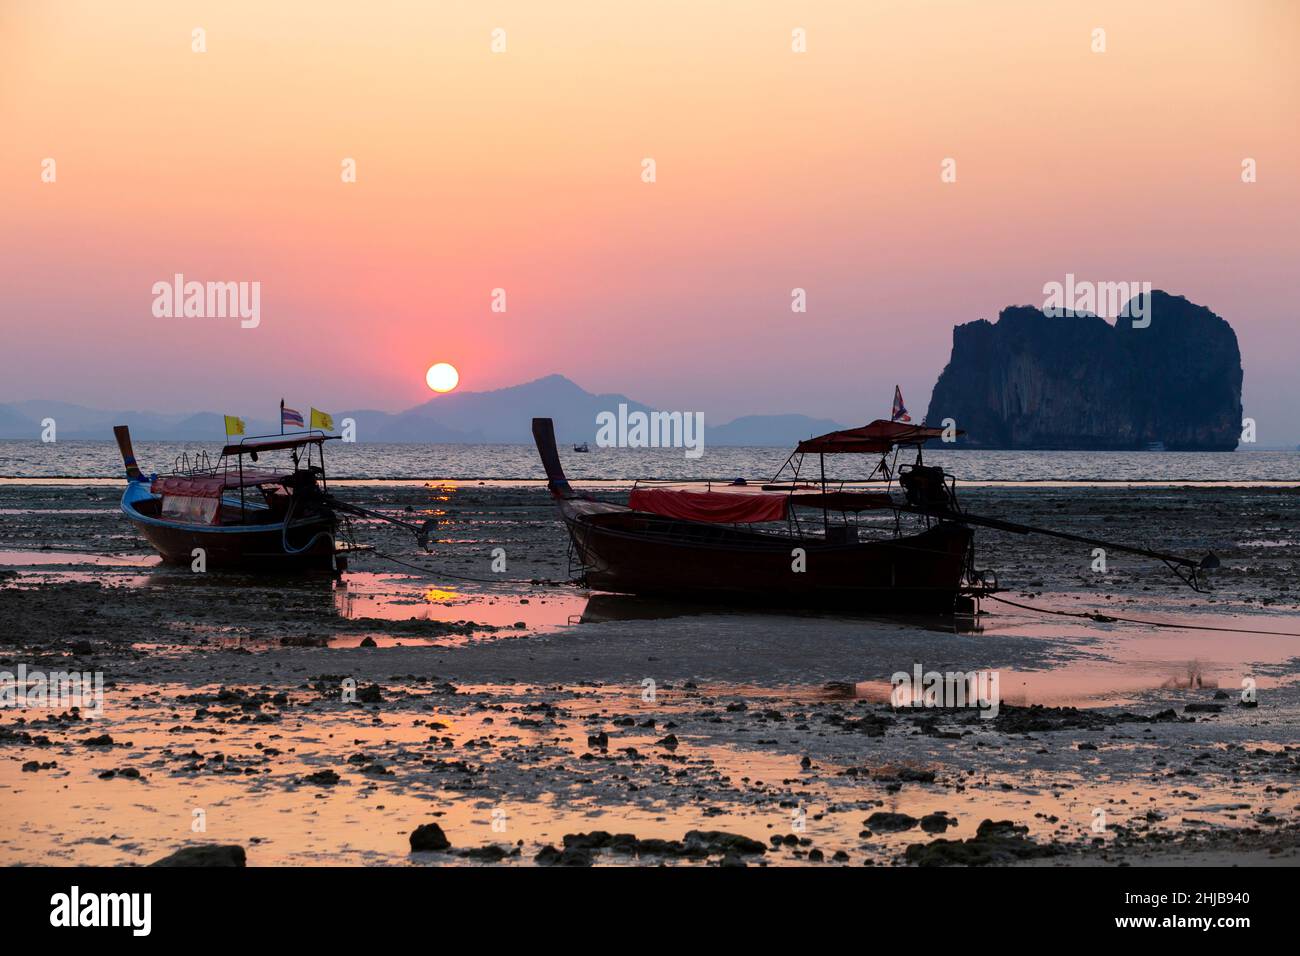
(581, 448)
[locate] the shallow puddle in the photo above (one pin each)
(391, 597)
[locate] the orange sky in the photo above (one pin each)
(521, 170)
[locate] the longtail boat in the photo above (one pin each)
(795, 541)
(241, 516)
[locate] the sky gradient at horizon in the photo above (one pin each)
(522, 170)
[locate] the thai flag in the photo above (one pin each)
(900, 410)
(290, 418)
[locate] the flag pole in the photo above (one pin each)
(282, 416)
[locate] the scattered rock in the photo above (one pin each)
(570, 856)
(429, 837)
(885, 822)
(303, 640)
(936, 822)
(489, 854)
(910, 775)
(717, 841)
(205, 854)
(993, 843)
(322, 778)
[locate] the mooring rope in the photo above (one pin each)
(95, 551)
(1108, 618)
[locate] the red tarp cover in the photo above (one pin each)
(844, 500)
(211, 486)
(878, 437)
(733, 506)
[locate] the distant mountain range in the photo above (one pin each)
(502, 416)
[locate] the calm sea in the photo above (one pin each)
(99, 459)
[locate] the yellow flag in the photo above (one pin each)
(234, 426)
(321, 420)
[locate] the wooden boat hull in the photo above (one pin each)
(637, 552)
(242, 547)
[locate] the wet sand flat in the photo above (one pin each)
(321, 721)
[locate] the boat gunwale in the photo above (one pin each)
(134, 515)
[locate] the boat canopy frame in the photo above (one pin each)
(252, 445)
(230, 466)
(880, 437)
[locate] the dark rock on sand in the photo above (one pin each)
(303, 640)
(670, 742)
(570, 856)
(885, 822)
(429, 837)
(595, 840)
(936, 822)
(488, 854)
(653, 846)
(910, 775)
(205, 854)
(716, 841)
(993, 843)
(1036, 718)
(696, 843)
(871, 724)
(322, 778)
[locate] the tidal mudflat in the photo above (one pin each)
(325, 721)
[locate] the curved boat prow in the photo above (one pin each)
(544, 436)
(123, 435)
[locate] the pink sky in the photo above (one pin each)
(522, 170)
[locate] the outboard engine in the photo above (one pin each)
(927, 488)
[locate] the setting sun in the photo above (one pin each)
(442, 377)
